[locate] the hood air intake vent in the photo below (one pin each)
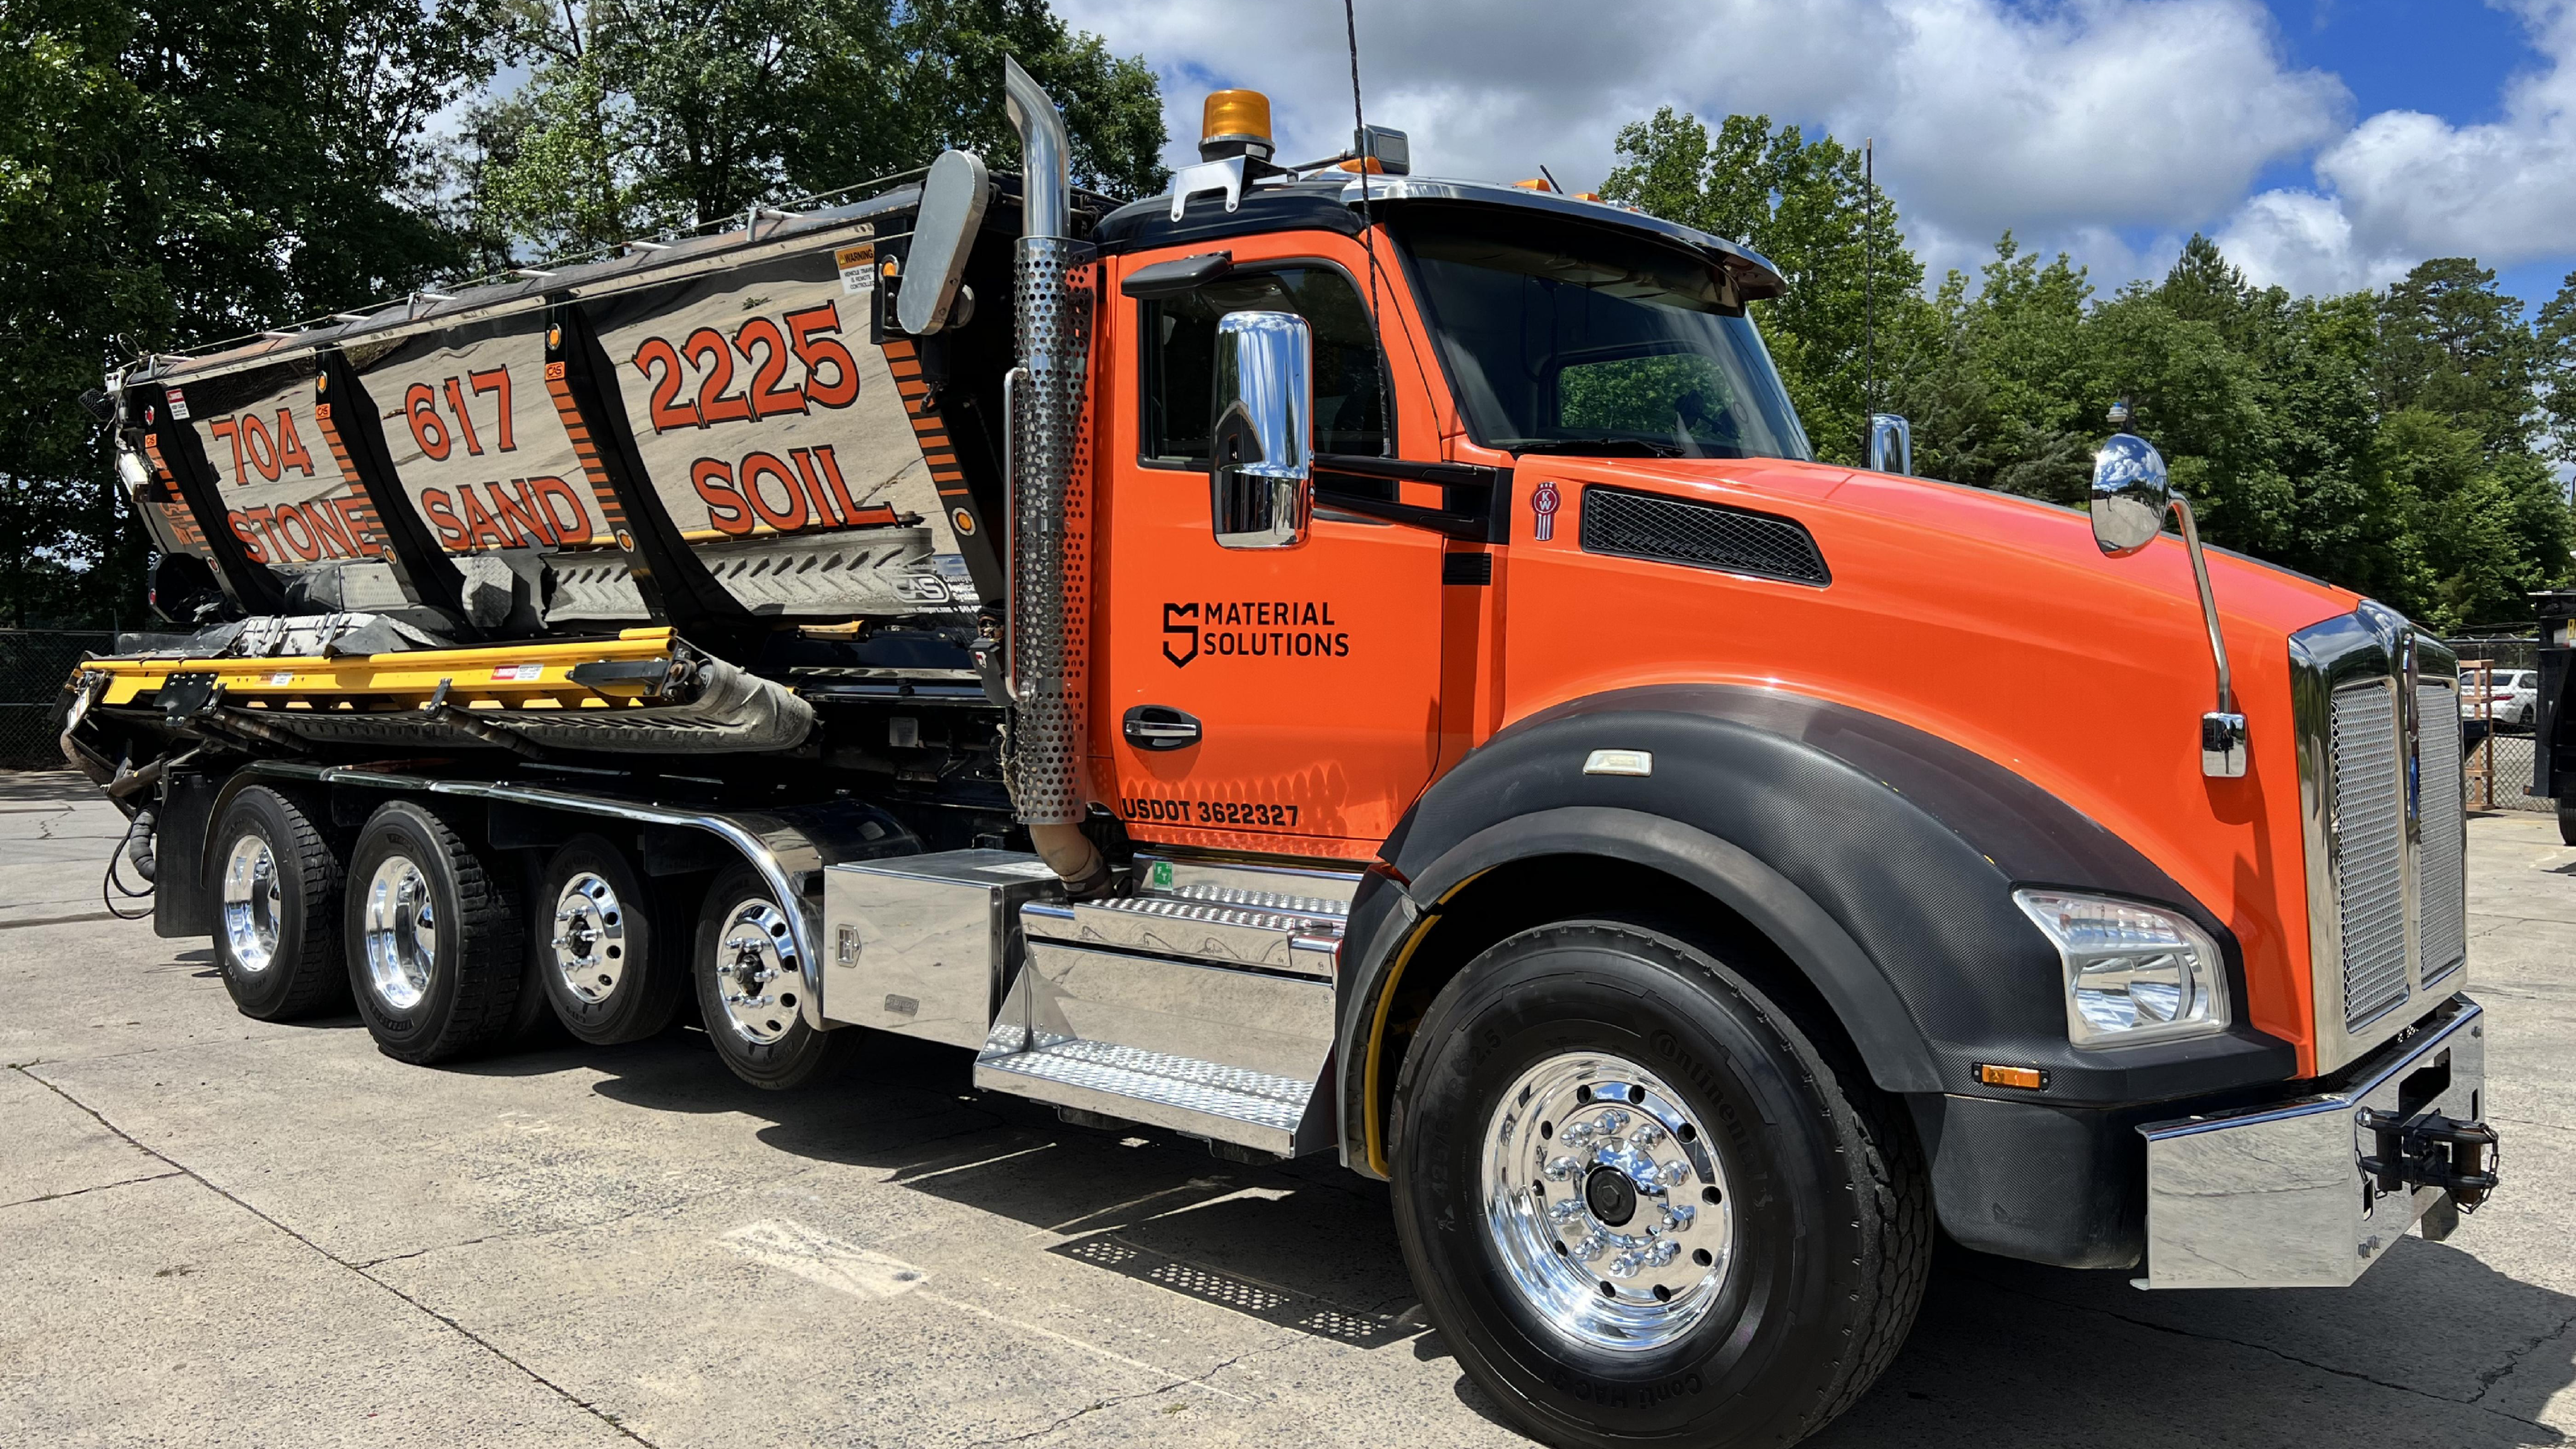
(1701, 535)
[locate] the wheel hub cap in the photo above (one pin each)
(1604, 1204)
(401, 931)
(590, 937)
(1610, 1196)
(757, 971)
(254, 903)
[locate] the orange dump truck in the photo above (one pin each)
(1322, 661)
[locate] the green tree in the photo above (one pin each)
(2556, 364)
(2454, 345)
(175, 171)
(644, 114)
(1804, 206)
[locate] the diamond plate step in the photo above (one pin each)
(1187, 1094)
(1208, 1049)
(1265, 930)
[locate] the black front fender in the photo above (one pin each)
(1879, 859)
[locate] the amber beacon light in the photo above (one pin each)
(1235, 123)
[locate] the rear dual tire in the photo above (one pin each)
(602, 958)
(751, 988)
(277, 878)
(1642, 1205)
(433, 938)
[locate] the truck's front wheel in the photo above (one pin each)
(1641, 1205)
(751, 982)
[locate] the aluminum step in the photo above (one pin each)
(1264, 930)
(1211, 1050)
(1205, 1098)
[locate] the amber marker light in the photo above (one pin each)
(2029, 1079)
(1235, 123)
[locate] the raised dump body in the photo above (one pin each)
(719, 427)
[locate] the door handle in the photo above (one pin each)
(1159, 727)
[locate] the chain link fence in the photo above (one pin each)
(33, 665)
(2499, 752)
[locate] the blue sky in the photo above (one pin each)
(2327, 143)
(2449, 60)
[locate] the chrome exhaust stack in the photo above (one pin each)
(1045, 765)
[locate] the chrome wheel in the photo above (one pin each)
(401, 930)
(757, 972)
(1604, 1204)
(254, 903)
(590, 937)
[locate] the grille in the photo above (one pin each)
(2370, 861)
(2442, 922)
(1702, 535)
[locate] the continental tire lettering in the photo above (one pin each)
(1686, 1064)
(1594, 1391)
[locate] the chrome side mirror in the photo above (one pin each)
(2132, 493)
(1261, 445)
(1891, 444)
(953, 197)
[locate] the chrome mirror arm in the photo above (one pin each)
(2222, 730)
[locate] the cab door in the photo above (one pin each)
(1281, 700)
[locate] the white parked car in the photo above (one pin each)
(2514, 695)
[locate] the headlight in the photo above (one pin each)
(2134, 973)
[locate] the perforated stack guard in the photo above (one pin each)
(1046, 786)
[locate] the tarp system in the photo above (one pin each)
(516, 455)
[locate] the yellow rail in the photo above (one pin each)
(500, 676)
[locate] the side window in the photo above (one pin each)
(1180, 362)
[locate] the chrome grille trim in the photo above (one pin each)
(2441, 876)
(2375, 716)
(2370, 858)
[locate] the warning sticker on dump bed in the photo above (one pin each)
(858, 266)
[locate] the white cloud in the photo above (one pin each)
(2303, 241)
(2081, 124)
(2403, 185)
(2063, 121)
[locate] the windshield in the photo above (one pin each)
(1567, 337)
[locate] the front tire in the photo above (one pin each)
(277, 892)
(750, 988)
(1642, 1205)
(433, 938)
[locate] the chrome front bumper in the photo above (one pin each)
(2281, 1196)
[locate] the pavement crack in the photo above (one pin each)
(94, 1187)
(2265, 1348)
(1199, 1379)
(2489, 1378)
(181, 1169)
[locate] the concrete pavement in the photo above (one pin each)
(215, 1231)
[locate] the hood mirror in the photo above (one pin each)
(1891, 444)
(2132, 493)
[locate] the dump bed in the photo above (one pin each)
(719, 426)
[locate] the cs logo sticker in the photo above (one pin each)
(1174, 629)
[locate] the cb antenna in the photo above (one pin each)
(1366, 146)
(1868, 292)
